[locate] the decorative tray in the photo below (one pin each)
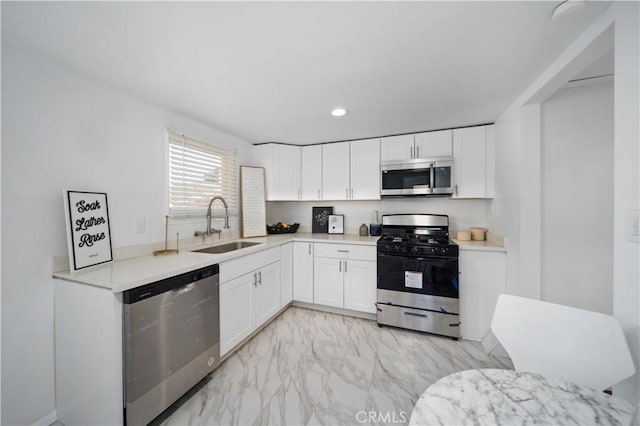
(282, 228)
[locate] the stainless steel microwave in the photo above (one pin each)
(421, 176)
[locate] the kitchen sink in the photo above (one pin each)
(225, 248)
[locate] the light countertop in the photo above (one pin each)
(479, 245)
(129, 273)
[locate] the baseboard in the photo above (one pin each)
(47, 420)
(332, 310)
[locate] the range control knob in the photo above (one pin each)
(444, 250)
(415, 249)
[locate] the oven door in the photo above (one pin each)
(435, 276)
(441, 177)
(406, 179)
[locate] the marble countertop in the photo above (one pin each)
(491, 396)
(129, 273)
(479, 245)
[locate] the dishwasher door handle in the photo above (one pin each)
(183, 289)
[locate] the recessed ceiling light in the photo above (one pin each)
(338, 112)
(566, 8)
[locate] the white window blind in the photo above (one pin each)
(197, 172)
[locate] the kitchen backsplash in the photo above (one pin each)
(462, 213)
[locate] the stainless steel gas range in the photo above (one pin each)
(418, 274)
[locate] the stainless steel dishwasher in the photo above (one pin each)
(171, 341)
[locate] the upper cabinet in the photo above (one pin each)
(434, 144)
(282, 170)
(415, 146)
(311, 169)
(474, 162)
(351, 170)
(335, 171)
(365, 169)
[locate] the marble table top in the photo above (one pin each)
(507, 397)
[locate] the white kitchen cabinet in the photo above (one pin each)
(247, 302)
(236, 311)
(328, 282)
(335, 171)
(434, 144)
(345, 276)
(417, 145)
(365, 169)
(397, 148)
(282, 170)
(303, 272)
(286, 274)
(360, 285)
(482, 280)
(474, 162)
(311, 172)
(266, 296)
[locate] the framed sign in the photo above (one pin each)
(336, 224)
(320, 219)
(88, 232)
(252, 196)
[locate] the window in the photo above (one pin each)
(197, 172)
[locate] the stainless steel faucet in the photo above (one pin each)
(209, 230)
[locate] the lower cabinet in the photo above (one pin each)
(247, 302)
(286, 274)
(360, 285)
(482, 280)
(345, 277)
(303, 272)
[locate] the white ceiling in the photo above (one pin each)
(272, 71)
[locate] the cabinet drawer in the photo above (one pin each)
(240, 266)
(345, 251)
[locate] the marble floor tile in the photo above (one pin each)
(310, 367)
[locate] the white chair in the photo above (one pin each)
(575, 345)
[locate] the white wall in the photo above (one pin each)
(61, 131)
(513, 132)
(462, 213)
(577, 198)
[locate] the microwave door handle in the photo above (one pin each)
(432, 177)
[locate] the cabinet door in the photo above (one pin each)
(311, 171)
(303, 272)
(286, 274)
(365, 170)
(267, 293)
(328, 286)
(434, 144)
(263, 157)
(287, 161)
(335, 171)
(360, 285)
(397, 148)
(482, 280)
(469, 162)
(236, 311)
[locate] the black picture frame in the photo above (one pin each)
(320, 219)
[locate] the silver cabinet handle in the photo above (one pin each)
(318, 194)
(309, 249)
(260, 277)
(351, 193)
(415, 315)
(299, 195)
(418, 151)
(455, 189)
(343, 251)
(340, 266)
(432, 177)
(255, 279)
(411, 150)
(347, 191)
(345, 266)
